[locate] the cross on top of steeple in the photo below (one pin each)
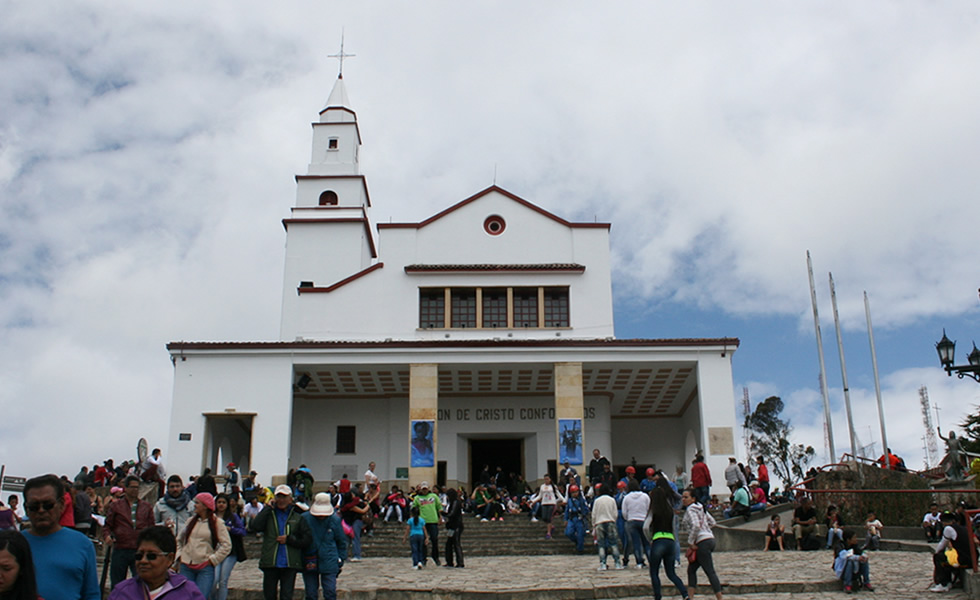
(340, 55)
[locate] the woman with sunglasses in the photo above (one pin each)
(203, 544)
(155, 552)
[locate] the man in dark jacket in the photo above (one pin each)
(125, 519)
(285, 534)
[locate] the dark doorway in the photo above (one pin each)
(508, 454)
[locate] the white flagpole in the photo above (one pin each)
(829, 428)
(874, 365)
(843, 369)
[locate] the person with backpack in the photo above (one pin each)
(203, 544)
(325, 557)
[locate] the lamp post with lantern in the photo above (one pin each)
(947, 352)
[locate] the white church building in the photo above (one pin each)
(482, 335)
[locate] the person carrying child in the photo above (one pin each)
(415, 535)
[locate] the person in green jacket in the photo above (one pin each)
(430, 508)
(285, 534)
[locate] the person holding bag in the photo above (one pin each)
(323, 559)
(700, 543)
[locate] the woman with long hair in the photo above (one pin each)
(701, 541)
(203, 544)
(454, 528)
(225, 512)
(17, 580)
(352, 512)
(662, 547)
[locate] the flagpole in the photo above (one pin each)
(843, 369)
(874, 365)
(828, 425)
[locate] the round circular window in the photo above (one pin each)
(494, 225)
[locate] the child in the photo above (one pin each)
(850, 561)
(415, 533)
(874, 527)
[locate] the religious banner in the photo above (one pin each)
(570, 441)
(423, 449)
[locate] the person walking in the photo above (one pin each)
(636, 505)
(701, 542)
(454, 529)
(328, 550)
(284, 536)
(604, 512)
(662, 546)
(125, 518)
(429, 509)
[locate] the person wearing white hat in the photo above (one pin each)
(325, 556)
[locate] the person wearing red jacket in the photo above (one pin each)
(701, 480)
(763, 477)
(125, 518)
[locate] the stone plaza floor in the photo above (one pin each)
(747, 575)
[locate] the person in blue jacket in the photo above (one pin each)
(326, 555)
(575, 512)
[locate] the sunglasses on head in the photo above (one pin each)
(36, 506)
(149, 555)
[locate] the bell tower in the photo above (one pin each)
(328, 233)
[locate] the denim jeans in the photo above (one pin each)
(855, 567)
(662, 551)
(221, 575)
(202, 578)
(325, 581)
(607, 539)
(356, 540)
(640, 545)
(418, 549)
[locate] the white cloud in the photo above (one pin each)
(146, 154)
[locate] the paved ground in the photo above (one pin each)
(751, 575)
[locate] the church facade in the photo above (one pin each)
(482, 335)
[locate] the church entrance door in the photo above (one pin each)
(507, 453)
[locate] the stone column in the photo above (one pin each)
(569, 404)
(423, 404)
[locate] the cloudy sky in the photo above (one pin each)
(147, 154)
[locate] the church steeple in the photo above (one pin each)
(336, 138)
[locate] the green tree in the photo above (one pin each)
(970, 441)
(769, 437)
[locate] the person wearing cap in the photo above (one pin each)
(284, 537)
(757, 496)
(575, 512)
(203, 544)
(621, 490)
(954, 536)
(430, 509)
(125, 518)
(630, 475)
(327, 551)
(233, 479)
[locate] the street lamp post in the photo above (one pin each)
(947, 352)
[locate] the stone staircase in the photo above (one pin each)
(514, 536)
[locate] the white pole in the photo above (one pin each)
(843, 369)
(874, 365)
(823, 369)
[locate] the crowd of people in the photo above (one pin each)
(187, 542)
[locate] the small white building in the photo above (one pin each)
(486, 329)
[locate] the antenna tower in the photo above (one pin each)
(746, 411)
(931, 443)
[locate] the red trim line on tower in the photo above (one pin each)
(341, 283)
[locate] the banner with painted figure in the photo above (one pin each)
(423, 450)
(570, 441)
